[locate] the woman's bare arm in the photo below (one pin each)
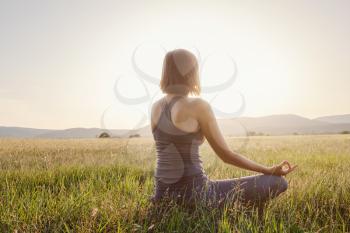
(212, 133)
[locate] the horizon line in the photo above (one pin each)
(87, 127)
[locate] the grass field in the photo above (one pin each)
(103, 185)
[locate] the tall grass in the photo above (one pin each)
(104, 185)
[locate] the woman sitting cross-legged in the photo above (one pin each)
(179, 125)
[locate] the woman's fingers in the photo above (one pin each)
(287, 163)
(280, 168)
(281, 171)
(291, 169)
(283, 163)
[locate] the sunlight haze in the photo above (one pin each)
(59, 60)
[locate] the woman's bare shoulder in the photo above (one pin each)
(156, 106)
(198, 103)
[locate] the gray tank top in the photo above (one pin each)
(177, 150)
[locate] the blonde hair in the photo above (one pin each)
(180, 73)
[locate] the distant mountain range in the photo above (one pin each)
(20, 132)
(268, 125)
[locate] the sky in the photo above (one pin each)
(67, 64)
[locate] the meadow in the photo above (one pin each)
(104, 185)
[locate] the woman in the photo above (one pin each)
(179, 126)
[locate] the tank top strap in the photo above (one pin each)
(165, 117)
(172, 102)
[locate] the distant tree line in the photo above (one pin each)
(107, 135)
(253, 133)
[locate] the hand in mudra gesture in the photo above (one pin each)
(282, 169)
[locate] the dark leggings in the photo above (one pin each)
(255, 190)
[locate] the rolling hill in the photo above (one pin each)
(271, 125)
(337, 119)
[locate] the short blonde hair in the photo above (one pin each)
(180, 73)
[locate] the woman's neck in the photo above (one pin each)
(172, 95)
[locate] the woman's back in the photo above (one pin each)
(177, 149)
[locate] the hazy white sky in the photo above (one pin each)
(59, 60)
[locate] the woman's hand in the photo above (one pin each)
(281, 169)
